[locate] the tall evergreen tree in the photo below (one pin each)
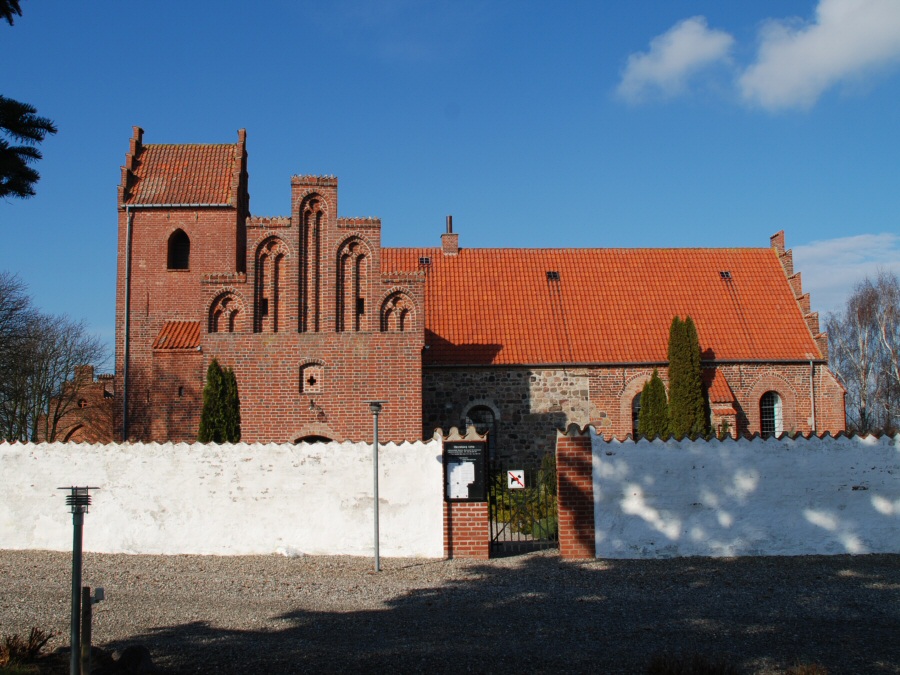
(220, 421)
(232, 408)
(653, 420)
(687, 400)
(212, 419)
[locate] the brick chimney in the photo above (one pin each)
(450, 240)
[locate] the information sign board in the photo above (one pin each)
(465, 471)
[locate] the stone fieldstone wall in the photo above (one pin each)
(529, 404)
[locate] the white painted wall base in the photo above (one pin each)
(746, 497)
(226, 499)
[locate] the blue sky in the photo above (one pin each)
(580, 124)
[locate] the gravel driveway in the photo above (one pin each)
(531, 613)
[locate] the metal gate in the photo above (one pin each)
(522, 506)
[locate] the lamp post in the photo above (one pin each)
(79, 500)
(375, 409)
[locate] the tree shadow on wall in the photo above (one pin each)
(538, 614)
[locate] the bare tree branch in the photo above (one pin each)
(40, 356)
(864, 344)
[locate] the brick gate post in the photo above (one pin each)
(575, 493)
(466, 530)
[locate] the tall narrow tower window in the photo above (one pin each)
(179, 254)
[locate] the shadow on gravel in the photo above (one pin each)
(543, 615)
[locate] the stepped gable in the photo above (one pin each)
(182, 173)
(786, 257)
(604, 306)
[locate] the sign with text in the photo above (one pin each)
(465, 471)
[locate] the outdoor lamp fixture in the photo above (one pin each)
(79, 500)
(375, 409)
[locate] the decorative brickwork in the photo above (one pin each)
(311, 307)
(575, 493)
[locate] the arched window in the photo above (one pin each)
(635, 415)
(770, 421)
(179, 256)
(485, 422)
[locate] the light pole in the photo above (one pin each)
(79, 500)
(375, 408)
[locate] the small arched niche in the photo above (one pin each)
(397, 313)
(226, 314)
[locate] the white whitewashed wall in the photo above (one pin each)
(746, 497)
(225, 499)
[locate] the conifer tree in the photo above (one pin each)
(21, 129)
(211, 421)
(653, 420)
(232, 408)
(220, 421)
(687, 400)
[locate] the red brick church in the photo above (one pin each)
(316, 319)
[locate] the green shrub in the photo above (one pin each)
(540, 520)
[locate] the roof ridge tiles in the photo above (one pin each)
(583, 250)
(150, 146)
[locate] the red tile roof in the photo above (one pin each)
(720, 392)
(497, 306)
(185, 174)
(178, 335)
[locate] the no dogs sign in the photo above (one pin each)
(515, 479)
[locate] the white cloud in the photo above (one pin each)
(832, 267)
(797, 63)
(685, 49)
